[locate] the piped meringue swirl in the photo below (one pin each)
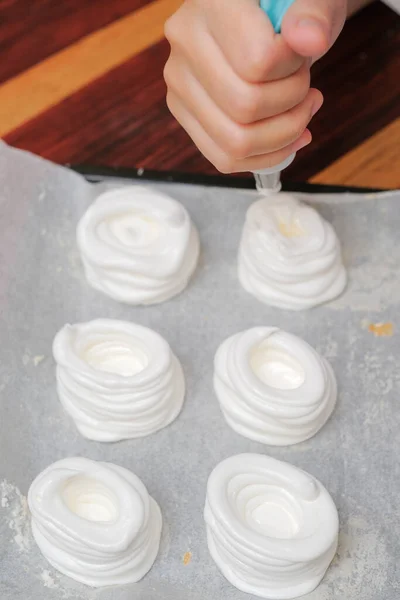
(116, 379)
(289, 256)
(273, 387)
(95, 521)
(137, 246)
(272, 529)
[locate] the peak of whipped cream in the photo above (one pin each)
(95, 521)
(116, 379)
(273, 387)
(289, 255)
(137, 246)
(272, 529)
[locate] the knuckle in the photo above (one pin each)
(245, 105)
(224, 165)
(172, 30)
(258, 62)
(167, 74)
(298, 119)
(237, 143)
(171, 75)
(298, 126)
(171, 104)
(168, 28)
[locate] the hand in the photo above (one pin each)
(240, 91)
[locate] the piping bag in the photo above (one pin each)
(269, 180)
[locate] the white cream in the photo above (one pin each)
(273, 387)
(289, 256)
(137, 245)
(272, 529)
(95, 521)
(116, 379)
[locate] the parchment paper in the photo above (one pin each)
(356, 455)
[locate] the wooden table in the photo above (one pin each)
(81, 82)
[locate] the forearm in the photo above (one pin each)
(355, 5)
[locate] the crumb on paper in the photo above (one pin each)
(47, 579)
(38, 359)
(59, 269)
(25, 360)
(17, 515)
(381, 329)
(187, 557)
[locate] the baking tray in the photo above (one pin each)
(355, 455)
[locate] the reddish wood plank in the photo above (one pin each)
(68, 71)
(31, 31)
(122, 120)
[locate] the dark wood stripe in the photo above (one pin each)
(32, 30)
(68, 71)
(121, 119)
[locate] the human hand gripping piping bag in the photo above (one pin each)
(269, 180)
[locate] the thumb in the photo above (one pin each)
(310, 27)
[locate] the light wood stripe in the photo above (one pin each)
(51, 81)
(375, 163)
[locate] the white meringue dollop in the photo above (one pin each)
(95, 521)
(273, 387)
(117, 380)
(137, 246)
(272, 529)
(289, 256)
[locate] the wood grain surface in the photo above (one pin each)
(360, 80)
(83, 84)
(374, 162)
(66, 72)
(32, 31)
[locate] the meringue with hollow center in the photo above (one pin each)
(95, 521)
(273, 387)
(137, 245)
(289, 256)
(272, 529)
(117, 380)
